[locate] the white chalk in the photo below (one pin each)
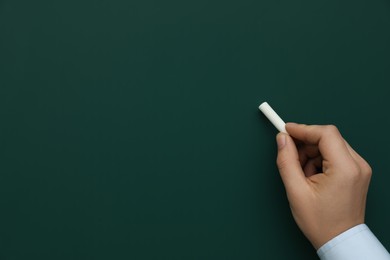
(273, 117)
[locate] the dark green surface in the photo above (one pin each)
(130, 129)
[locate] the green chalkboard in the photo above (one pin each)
(130, 129)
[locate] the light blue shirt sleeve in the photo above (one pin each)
(357, 243)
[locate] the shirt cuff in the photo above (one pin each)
(356, 243)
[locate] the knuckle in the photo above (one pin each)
(354, 171)
(359, 172)
(331, 129)
(281, 162)
(366, 169)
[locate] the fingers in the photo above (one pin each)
(364, 166)
(288, 164)
(313, 166)
(306, 152)
(330, 143)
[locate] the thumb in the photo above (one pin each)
(288, 163)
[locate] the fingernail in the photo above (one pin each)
(281, 140)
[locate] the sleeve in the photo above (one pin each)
(357, 243)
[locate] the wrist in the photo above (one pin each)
(330, 234)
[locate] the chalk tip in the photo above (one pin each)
(263, 105)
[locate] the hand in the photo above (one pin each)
(325, 179)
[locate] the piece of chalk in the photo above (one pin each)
(273, 117)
